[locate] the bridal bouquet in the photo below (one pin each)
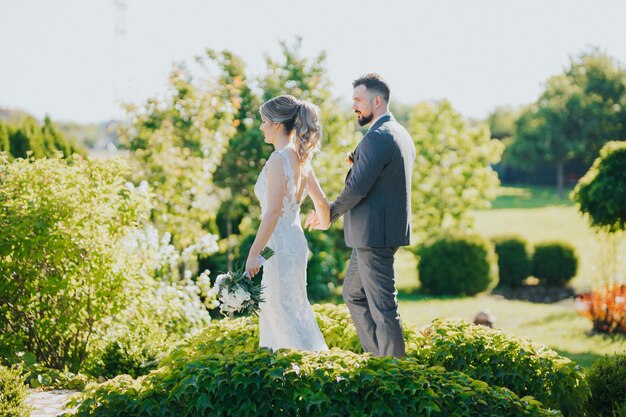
(237, 293)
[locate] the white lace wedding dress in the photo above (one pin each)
(286, 319)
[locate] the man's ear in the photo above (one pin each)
(378, 101)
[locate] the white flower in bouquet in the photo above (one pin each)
(237, 292)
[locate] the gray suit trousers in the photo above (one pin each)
(369, 291)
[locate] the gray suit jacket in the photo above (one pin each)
(376, 201)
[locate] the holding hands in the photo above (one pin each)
(313, 222)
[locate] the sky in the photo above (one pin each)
(78, 60)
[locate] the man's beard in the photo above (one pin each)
(363, 120)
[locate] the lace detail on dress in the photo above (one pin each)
(286, 319)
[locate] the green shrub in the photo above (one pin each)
(457, 264)
(513, 260)
(293, 383)
(601, 193)
(481, 353)
(607, 380)
(554, 263)
(37, 375)
(620, 410)
(12, 393)
(61, 258)
(499, 359)
(133, 354)
(327, 263)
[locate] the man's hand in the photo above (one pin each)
(312, 222)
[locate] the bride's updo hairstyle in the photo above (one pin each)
(298, 116)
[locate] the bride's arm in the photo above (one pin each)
(322, 206)
(275, 194)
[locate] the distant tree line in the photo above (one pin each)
(26, 136)
(556, 138)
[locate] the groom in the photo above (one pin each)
(376, 205)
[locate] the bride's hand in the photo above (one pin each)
(253, 265)
(311, 222)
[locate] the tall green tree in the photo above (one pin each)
(579, 112)
(176, 143)
(5, 144)
(501, 122)
(452, 174)
(25, 135)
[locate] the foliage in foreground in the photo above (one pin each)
(607, 380)
(292, 383)
(61, 258)
(483, 355)
(12, 393)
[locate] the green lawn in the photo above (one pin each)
(537, 215)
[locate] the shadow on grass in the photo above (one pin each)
(414, 294)
(583, 359)
(530, 197)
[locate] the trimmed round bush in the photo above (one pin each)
(458, 265)
(607, 380)
(601, 193)
(554, 263)
(339, 380)
(12, 393)
(513, 260)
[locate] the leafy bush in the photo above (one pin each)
(61, 258)
(133, 353)
(499, 359)
(513, 260)
(554, 263)
(457, 264)
(327, 263)
(481, 353)
(601, 193)
(37, 375)
(607, 380)
(606, 308)
(12, 393)
(296, 383)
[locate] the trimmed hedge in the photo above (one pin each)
(554, 263)
(480, 353)
(458, 264)
(513, 260)
(12, 393)
(607, 380)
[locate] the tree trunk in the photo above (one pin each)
(229, 231)
(559, 178)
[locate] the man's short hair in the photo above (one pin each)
(374, 83)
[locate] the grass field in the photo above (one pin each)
(537, 215)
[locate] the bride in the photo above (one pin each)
(286, 319)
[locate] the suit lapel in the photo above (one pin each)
(376, 125)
